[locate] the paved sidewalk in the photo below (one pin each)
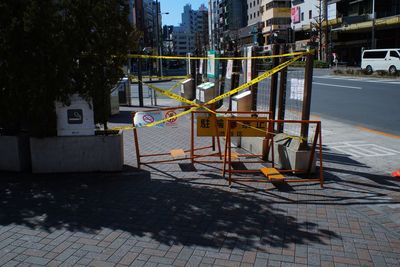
(167, 215)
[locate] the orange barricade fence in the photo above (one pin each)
(273, 174)
(212, 125)
(140, 156)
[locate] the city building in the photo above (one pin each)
(214, 31)
(192, 34)
(347, 27)
(144, 16)
(253, 12)
(228, 17)
(275, 17)
(168, 44)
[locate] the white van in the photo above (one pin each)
(381, 59)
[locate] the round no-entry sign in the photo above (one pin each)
(170, 114)
(148, 118)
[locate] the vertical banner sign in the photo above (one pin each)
(297, 89)
(248, 69)
(211, 69)
(295, 14)
(201, 67)
(229, 67)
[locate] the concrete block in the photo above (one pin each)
(288, 155)
(15, 155)
(254, 145)
(77, 153)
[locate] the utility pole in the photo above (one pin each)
(373, 46)
(320, 29)
(158, 13)
(140, 85)
(326, 43)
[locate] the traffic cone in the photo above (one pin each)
(396, 173)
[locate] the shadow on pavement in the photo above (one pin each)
(167, 211)
(342, 159)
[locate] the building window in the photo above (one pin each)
(302, 16)
(310, 14)
(250, 5)
(277, 4)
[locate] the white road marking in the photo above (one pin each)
(342, 86)
(360, 79)
(358, 149)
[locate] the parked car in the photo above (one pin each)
(381, 59)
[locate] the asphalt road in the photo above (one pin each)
(373, 103)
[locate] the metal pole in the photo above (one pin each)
(140, 85)
(305, 114)
(327, 56)
(158, 38)
(272, 104)
(282, 91)
(274, 83)
(373, 26)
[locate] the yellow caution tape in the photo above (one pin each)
(255, 80)
(218, 58)
(178, 98)
(178, 83)
(220, 97)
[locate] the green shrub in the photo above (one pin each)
(317, 64)
(52, 49)
(337, 71)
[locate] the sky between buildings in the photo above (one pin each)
(175, 9)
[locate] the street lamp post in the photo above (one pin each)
(160, 71)
(373, 26)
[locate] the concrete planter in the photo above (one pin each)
(15, 155)
(77, 153)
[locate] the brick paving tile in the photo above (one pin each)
(37, 260)
(179, 263)
(54, 263)
(11, 263)
(128, 258)
(162, 216)
(97, 263)
(226, 263)
(345, 260)
(249, 257)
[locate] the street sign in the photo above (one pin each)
(229, 68)
(206, 127)
(297, 89)
(75, 116)
(169, 114)
(212, 64)
(248, 66)
(143, 118)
